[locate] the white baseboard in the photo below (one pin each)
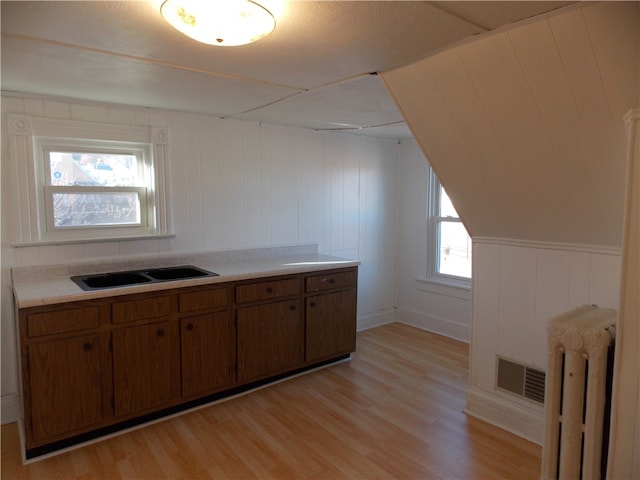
(434, 324)
(523, 421)
(10, 408)
(376, 319)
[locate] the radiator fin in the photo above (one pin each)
(578, 376)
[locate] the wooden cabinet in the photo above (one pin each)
(65, 385)
(64, 364)
(145, 351)
(208, 342)
(270, 339)
(99, 364)
(270, 328)
(141, 308)
(269, 290)
(77, 319)
(145, 367)
(330, 315)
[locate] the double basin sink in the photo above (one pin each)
(99, 281)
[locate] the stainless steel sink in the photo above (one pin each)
(100, 281)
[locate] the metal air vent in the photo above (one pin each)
(520, 379)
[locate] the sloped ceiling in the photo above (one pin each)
(524, 127)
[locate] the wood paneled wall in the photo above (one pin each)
(235, 185)
(524, 127)
(522, 285)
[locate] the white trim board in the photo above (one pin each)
(375, 319)
(522, 421)
(10, 408)
(434, 324)
(572, 247)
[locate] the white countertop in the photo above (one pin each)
(52, 285)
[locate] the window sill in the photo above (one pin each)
(444, 287)
(44, 243)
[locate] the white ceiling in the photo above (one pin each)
(316, 70)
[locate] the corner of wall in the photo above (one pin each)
(376, 319)
(433, 323)
(10, 408)
(523, 421)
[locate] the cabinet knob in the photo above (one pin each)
(190, 326)
(160, 332)
(312, 304)
(292, 307)
(87, 346)
(332, 281)
(269, 290)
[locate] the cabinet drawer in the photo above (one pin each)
(203, 300)
(59, 321)
(330, 281)
(140, 309)
(267, 290)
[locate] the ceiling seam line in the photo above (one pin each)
(355, 77)
(308, 90)
(359, 128)
(154, 61)
(232, 115)
(459, 17)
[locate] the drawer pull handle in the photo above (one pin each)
(160, 332)
(87, 346)
(190, 326)
(332, 281)
(269, 290)
(312, 304)
(292, 307)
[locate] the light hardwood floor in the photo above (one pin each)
(393, 411)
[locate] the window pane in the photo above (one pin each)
(455, 250)
(89, 209)
(446, 207)
(93, 169)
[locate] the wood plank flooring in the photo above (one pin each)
(393, 411)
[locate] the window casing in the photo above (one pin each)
(449, 245)
(87, 181)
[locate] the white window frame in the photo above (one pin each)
(433, 237)
(32, 139)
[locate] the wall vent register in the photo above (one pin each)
(522, 380)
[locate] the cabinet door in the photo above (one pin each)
(331, 325)
(65, 385)
(208, 353)
(270, 340)
(144, 367)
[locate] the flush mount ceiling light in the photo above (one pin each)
(219, 22)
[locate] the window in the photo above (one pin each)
(95, 188)
(449, 243)
(91, 181)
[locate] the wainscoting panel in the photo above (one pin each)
(518, 287)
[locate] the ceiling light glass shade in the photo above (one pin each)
(219, 22)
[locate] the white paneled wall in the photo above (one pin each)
(235, 185)
(442, 309)
(524, 126)
(520, 286)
